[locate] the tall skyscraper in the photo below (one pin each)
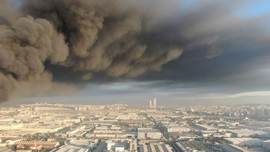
(150, 104)
(153, 104)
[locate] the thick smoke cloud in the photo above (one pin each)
(50, 45)
(84, 36)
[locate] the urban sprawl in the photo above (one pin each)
(125, 128)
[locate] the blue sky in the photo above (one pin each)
(256, 7)
(253, 8)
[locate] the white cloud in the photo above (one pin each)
(237, 95)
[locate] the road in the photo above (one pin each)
(100, 147)
(175, 148)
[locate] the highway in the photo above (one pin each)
(102, 145)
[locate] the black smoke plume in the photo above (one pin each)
(117, 38)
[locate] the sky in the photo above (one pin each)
(195, 53)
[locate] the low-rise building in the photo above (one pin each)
(152, 147)
(178, 129)
(149, 133)
(246, 142)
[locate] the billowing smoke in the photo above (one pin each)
(117, 38)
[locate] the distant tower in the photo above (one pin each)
(153, 104)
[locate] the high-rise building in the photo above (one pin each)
(150, 104)
(153, 103)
